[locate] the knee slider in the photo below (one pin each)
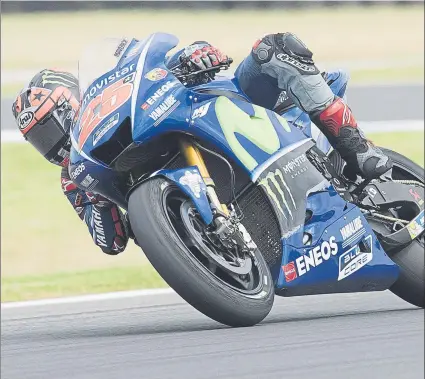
(290, 44)
(292, 51)
(287, 49)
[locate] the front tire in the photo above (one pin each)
(165, 243)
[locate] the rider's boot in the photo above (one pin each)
(290, 66)
(337, 123)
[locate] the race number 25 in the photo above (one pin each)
(102, 105)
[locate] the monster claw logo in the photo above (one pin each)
(56, 77)
(276, 178)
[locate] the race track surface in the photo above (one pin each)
(372, 335)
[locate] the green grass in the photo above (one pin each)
(41, 234)
(84, 282)
(46, 250)
(410, 144)
(349, 33)
(387, 75)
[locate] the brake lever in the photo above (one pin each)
(224, 66)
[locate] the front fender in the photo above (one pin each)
(190, 181)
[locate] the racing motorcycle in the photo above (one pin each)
(233, 203)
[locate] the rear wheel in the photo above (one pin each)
(410, 284)
(228, 285)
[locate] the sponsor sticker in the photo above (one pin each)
(104, 82)
(296, 166)
(282, 97)
(293, 62)
(277, 188)
(78, 170)
(25, 119)
(135, 49)
(156, 74)
(354, 259)
(193, 181)
(416, 226)
(120, 48)
(99, 232)
(316, 256)
(108, 125)
(158, 94)
(164, 109)
(290, 272)
(352, 231)
(87, 180)
(201, 111)
(61, 78)
(416, 196)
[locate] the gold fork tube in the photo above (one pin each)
(194, 158)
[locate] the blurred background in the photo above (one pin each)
(45, 248)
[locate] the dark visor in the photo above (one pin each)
(47, 136)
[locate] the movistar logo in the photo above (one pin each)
(61, 78)
(278, 195)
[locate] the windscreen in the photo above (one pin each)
(99, 58)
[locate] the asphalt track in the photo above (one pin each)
(370, 335)
(369, 103)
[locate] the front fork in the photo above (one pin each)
(194, 158)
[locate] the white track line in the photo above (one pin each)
(88, 298)
(14, 136)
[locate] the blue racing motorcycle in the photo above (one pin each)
(233, 203)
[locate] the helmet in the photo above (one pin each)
(45, 112)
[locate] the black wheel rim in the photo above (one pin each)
(248, 284)
(403, 172)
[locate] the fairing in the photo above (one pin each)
(270, 148)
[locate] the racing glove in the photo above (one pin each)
(201, 55)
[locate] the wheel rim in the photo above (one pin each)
(249, 284)
(403, 172)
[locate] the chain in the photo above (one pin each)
(411, 182)
(388, 218)
(394, 219)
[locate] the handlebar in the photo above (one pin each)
(222, 66)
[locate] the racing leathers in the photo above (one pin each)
(105, 221)
(281, 63)
(277, 63)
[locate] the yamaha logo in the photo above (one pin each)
(25, 119)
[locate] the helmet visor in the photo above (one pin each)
(49, 137)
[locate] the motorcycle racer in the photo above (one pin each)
(278, 63)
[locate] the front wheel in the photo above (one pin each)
(213, 280)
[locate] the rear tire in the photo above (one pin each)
(410, 285)
(187, 275)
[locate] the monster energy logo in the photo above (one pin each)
(278, 182)
(61, 78)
